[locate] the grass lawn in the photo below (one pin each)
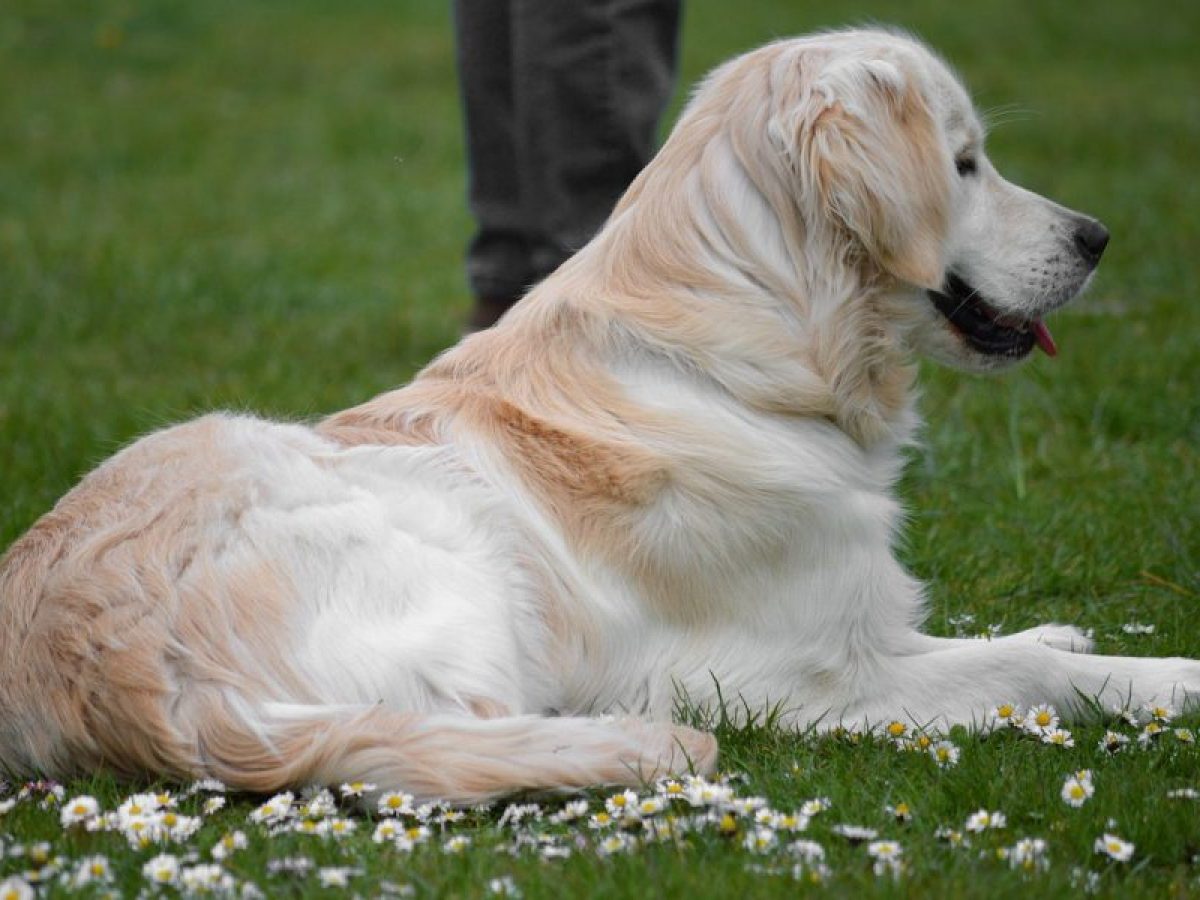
(259, 205)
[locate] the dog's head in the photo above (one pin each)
(888, 152)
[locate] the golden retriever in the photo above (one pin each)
(667, 472)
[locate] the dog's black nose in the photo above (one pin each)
(1091, 237)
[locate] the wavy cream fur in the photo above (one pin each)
(669, 468)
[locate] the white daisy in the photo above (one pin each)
(810, 808)
(335, 876)
(1041, 719)
(396, 803)
(320, 805)
(1077, 789)
(1003, 713)
(600, 820)
(809, 851)
(15, 888)
(504, 886)
(356, 788)
(213, 805)
(982, 820)
(1160, 712)
(138, 805)
(571, 811)
(795, 821)
(1114, 847)
(208, 878)
(901, 812)
(952, 837)
(89, 870)
(616, 843)
(1149, 734)
(1028, 854)
(274, 810)
(649, 806)
(162, 869)
(855, 833)
(412, 837)
(887, 858)
(1137, 628)
(456, 844)
(228, 845)
(386, 831)
(760, 840)
(211, 785)
(79, 810)
(337, 827)
(1112, 741)
(701, 793)
(621, 804)
(1058, 736)
(945, 754)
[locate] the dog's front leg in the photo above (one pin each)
(1060, 637)
(960, 683)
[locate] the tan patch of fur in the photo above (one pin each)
(116, 616)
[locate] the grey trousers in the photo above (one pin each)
(562, 100)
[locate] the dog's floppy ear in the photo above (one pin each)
(872, 160)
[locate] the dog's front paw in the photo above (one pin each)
(1060, 637)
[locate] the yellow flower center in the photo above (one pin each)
(896, 729)
(1006, 710)
(1043, 718)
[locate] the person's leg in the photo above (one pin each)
(591, 81)
(499, 254)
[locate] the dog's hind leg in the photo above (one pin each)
(456, 758)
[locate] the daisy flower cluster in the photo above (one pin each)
(152, 822)
(1040, 721)
(674, 813)
(910, 739)
(1151, 723)
(188, 843)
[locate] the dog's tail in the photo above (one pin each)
(457, 758)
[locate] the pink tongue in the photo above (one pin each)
(1044, 339)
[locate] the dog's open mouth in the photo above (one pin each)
(985, 329)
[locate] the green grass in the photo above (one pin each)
(260, 206)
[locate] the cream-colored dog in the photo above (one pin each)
(669, 468)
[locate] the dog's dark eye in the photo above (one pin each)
(966, 165)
